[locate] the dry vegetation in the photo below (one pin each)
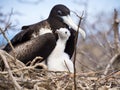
(97, 63)
(19, 77)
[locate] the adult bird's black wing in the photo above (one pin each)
(39, 46)
(20, 38)
(26, 34)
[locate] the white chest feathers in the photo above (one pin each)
(41, 32)
(44, 31)
(58, 60)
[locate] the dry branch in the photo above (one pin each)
(66, 66)
(9, 42)
(35, 60)
(116, 32)
(17, 86)
(75, 47)
(110, 64)
(116, 44)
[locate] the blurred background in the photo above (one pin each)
(98, 21)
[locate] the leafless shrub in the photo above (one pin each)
(101, 45)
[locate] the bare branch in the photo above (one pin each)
(10, 73)
(110, 64)
(67, 66)
(75, 46)
(35, 60)
(8, 24)
(116, 43)
(3, 33)
(116, 32)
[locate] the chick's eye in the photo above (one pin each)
(65, 32)
(59, 12)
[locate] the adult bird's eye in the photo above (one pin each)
(59, 12)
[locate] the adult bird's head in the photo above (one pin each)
(60, 17)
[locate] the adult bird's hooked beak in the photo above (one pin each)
(67, 19)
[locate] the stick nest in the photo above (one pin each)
(33, 78)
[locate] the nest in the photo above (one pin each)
(18, 76)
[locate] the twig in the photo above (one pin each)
(109, 45)
(116, 31)
(67, 66)
(86, 66)
(3, 33)
(10, 73)
(8, 21)
(110, 63)
(108, 76)
(75, 46)
(35, 60)
(26, 68)
(40, 65)
(88, 56)
(116, 42)
(18, 70)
